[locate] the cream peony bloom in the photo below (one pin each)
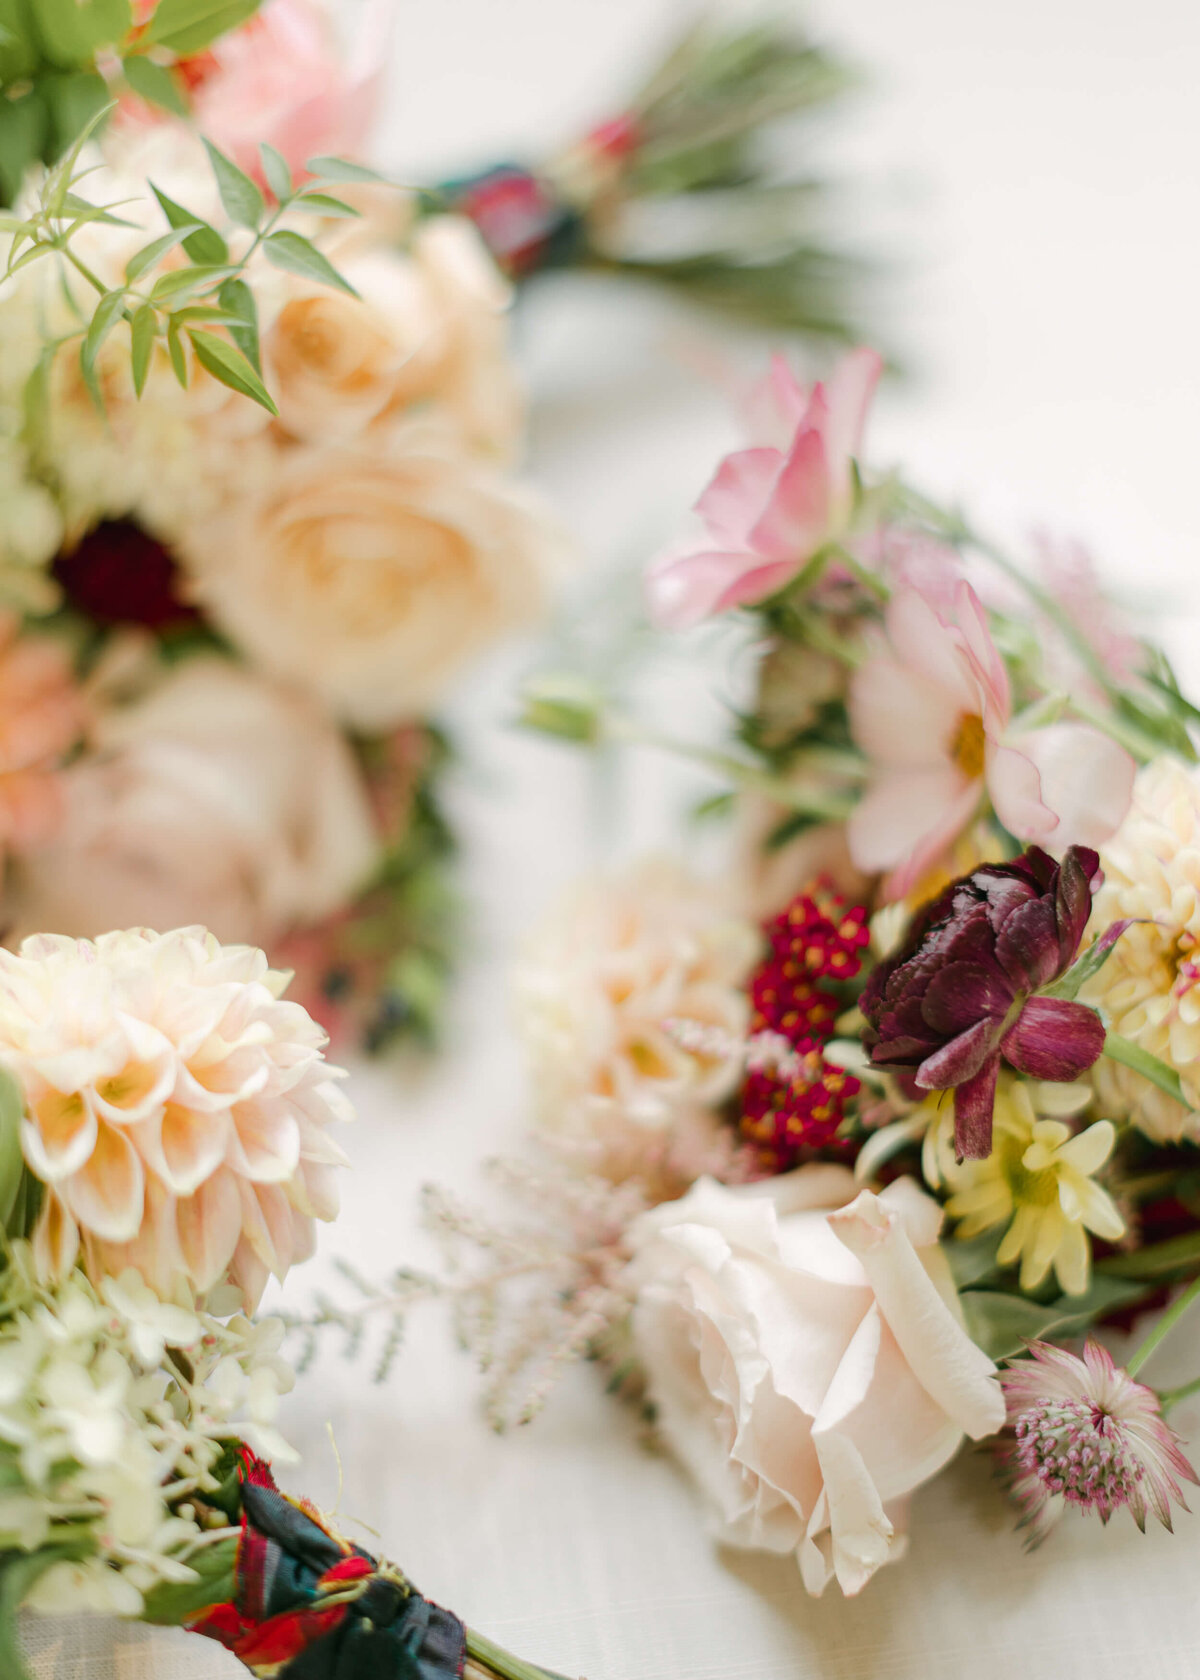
(599, 985)
(1149, 989)
(218, 798)
(808, 1362)
(370, 576)
(175, 1107)
(428, 326)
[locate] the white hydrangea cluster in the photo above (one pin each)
(114, 1407)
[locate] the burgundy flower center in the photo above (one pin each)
(969, 747)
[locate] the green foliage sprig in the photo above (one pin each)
(179, 306)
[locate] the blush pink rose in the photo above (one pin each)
(770, 508)
(932, 710)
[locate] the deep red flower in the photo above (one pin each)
(789, 1110)
(120, 575)
(962, 993)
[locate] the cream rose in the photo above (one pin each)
(808, 1362)
(218, 798)
(371, 576)
(428, 327)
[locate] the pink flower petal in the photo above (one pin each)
(1086, 780)
(1015, 788)
(849, 393)
(683, 591)
(734, 500)
(900, 717)
(974, 1105)
(986, 663)
(960, 1060)
(775, 406)
(209, 1225)
(795, 521)
(906, 821)
(923, 641)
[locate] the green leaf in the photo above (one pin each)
(24, 128)
(145, 331)
(156, 84)
(1131, 1055)
(300, 256)
(74, 101)
(188, 26)
(19, 51)
(1002, 1324)
(174, 1602)
(1087, 964)
(277, 172)
(972, 1259)
(236, 296)
(35, 403)
(150, 254)
(326, 206)
(108, 312)
(226, 363)
(12, 1162)
(70, 31)
(242, 200)
(341, 169)
(205, 245)
(19, 1573)
(177, 352)
(178, 281)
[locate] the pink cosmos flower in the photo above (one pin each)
(770, 508)
(1088, 1435)
(931, 708)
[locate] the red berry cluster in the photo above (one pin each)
(787, 1113)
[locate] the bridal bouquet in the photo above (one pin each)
(853, 1154)
(258, 428)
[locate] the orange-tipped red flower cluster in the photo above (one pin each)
(797, 1108)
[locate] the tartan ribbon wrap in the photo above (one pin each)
(309, 1605)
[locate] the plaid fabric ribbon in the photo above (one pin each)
(309, 1605)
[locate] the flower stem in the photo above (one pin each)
(1168, 1396)
(495, 1660)
(821, 807)
(1163, 1328)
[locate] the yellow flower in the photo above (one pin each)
(1038, 1181)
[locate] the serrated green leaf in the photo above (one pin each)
(237, 297)
(107, 313)
(179, 281)
(298, 255)
(144, 332)
(177, 352)
(156, 84)
(70, 31)
(324, 205)
(150, 254)
(341, 169)
(277, 172)
(203, 246)
(188, 26)
(239, 194)
(226, 363)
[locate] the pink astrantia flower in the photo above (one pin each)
(1086, 1434)
(932, 709)
(771, 507)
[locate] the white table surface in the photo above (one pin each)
(1039, 167)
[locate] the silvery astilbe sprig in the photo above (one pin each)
(530, 1293)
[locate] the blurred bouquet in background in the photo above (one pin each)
(839, 1153)
(227, 622)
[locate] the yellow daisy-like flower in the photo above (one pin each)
(1037, 1180)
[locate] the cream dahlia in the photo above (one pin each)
(1149, 989)
(176, 1107)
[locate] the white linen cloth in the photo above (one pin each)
(1045, 161)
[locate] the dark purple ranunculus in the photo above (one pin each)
(962, 992)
